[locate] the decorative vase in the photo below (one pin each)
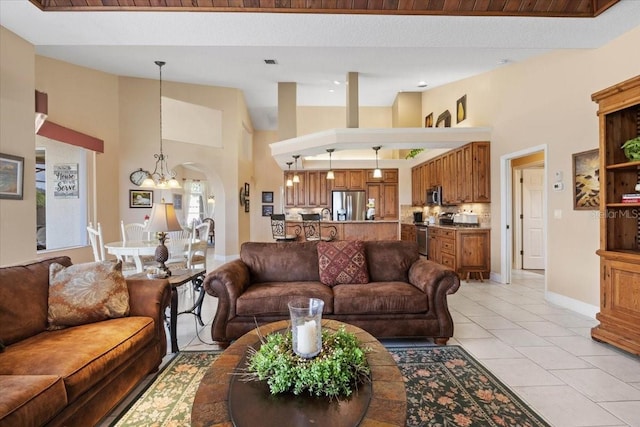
(306, 328)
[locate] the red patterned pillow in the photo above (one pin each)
(342, 262)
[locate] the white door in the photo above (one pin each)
(533, 232)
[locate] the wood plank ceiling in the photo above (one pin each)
(539, 8)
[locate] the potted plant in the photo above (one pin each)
(632, 149)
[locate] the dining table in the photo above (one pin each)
(136, 249)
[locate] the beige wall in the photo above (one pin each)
(317, 119)
(17, 138)
(547, 101)
(224, 168)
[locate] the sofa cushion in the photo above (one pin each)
(342, 261)
(30, 400)
(281, 262)
(82, 355)
(23, 299)
(86, 293)
(271, 298)
(379, 298)
(390, 260)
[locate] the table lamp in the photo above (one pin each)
(163, 218)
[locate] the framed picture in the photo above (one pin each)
(267, 210)
(586, 180)
(246, 205)
(65, 181)
(140, 199)
(267, 197)
(11, 177)
(177, 201)
(461, 109)
(444, 120)
(428, 121)
(246, 189)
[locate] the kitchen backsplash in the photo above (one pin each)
(482, 209)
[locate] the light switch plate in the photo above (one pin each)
(558, 186)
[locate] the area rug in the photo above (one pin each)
(445, 387)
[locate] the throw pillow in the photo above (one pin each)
(86, 293)
(342, 262)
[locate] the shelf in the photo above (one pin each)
(623, 205)
(623, 166)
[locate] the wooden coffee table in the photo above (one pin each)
(385, 405)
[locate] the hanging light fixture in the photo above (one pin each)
(296, 178)
(330, 171)
(162, 177)
(289, 180)
(377, 173)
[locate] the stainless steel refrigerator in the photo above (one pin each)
(349, 205)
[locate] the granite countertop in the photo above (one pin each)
(449, 227)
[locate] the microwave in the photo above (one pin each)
(434, 196)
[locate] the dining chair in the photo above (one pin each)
(95, 238)
(212, 232)
(279, 229)
(313, 229)
(177, 242)
(201, 231)
(135, 231)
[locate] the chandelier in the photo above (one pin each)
(162, 177)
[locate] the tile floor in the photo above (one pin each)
(541, 351)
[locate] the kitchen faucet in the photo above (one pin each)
(328, 211)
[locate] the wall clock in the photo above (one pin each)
(138, 176)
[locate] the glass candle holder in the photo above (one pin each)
(306, 328)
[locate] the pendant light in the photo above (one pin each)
(164, 177)
(330, 171)
(377, 173)
(289, 180)
(296, 178)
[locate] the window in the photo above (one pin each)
(61, 194)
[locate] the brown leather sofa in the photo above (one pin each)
(77, 375)
(406, 295)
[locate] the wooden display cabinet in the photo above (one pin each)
(619, 121)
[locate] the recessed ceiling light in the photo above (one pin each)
(335, 82)
(503, 61)
(331, 90)
(422, 84)
(270, 62)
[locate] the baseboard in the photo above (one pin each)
(572, 304)
(225, 258)
(495, 277)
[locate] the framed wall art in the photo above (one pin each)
(267, 210)
(586, 180)
(246, 190)
(428, 121)
(11, 177)
(267, 197)
(177, 201)
(444, 120)
(246, 205)
(461, 109)
(140, 199)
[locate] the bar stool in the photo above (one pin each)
(313, 229)
(279, 229)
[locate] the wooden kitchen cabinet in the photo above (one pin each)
(318, 189)
(619, 121)
(348, 179)
(388, 175)
(461, 249)
(408, 232)
(385, 198)
(464, 174)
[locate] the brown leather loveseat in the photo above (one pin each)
(76, 375)
(406, 296)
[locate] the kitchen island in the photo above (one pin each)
(353, 230)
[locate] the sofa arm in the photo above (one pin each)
(151, 298)
(436, 281)
(226, 283)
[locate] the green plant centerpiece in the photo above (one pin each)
(632, 149)
(339, 368)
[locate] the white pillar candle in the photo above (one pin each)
(307, 338)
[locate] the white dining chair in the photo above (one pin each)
(178, 242)
(135, 231)
(95, 238)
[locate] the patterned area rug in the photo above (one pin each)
(445, 387)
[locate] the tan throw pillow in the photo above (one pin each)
(86, 293)
(342, 262)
